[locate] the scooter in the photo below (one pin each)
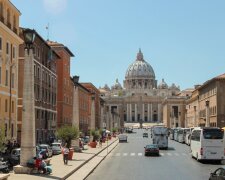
(4, 166)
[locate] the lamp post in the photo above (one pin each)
(195, 121)
(207, 123)
(28, 149)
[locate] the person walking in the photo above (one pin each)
(100, 142)
(65, 154)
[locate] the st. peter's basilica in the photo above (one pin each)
(141, 98)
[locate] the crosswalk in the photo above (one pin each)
(139, 154)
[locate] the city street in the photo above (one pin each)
(127, 161)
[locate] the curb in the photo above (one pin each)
(77, 168)
(100, 162)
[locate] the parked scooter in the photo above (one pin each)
(4, 166)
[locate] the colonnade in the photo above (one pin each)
(138, 111)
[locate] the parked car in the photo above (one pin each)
(151, 149)
(14, 158)
(122, 138)
(42, 152)
(218, 174)
(56, 148)
(145, 135)
(47, 148)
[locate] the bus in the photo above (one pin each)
(182, 134)
(207, 143)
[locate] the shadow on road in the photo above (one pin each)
(169, 149)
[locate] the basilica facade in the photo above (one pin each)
(141, 98)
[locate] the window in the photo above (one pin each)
(14, 52)
(12, 106)
(6, 105)
(195, 136)
(0, 43)
(6, 77)
(12, 78)
(213, 133)
(5, 129)
(7, 48)
(0, 74)
(12, 129)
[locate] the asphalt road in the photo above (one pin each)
(127, 162)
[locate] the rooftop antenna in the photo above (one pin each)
(47, 28)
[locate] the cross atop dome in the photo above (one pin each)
(140, 55)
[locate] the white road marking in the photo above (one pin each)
(132, 154)
(124, 154)
(162, 154)
(117, 154)
(169, 154)
(139, 154)
(176, 154)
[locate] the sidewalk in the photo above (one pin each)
(61, 171)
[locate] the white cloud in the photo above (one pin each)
(55, 6)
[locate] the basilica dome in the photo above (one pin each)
(140, 69)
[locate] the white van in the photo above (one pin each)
(182, 134)
(207, 143)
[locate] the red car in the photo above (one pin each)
(151, 149)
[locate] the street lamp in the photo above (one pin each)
(29, 36)
(207, 123)
(195, 122)
(28, 145)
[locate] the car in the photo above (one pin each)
(14, 158)
(151, 149)
(218, 174)
(145, 135)
(122, 138)
(47, 148)
(56, 148)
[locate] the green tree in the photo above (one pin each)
(2, 137)
(95, 134)
(114, 129)
(67, 134)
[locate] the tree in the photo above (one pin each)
(67, 134)
(114, 129)
(2, 137)
(95, 134)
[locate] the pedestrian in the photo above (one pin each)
(65, 154)
(100, 142)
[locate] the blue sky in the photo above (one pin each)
(183, 40)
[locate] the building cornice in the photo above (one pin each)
(11, 33)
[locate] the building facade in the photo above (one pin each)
(95, 117)
(9, 48)
(210, 109)
(82, 107)
(45, 89)
(141, 98)
(65, 85)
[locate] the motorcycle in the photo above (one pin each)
(4, 166)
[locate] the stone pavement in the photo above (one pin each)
(80, 160)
